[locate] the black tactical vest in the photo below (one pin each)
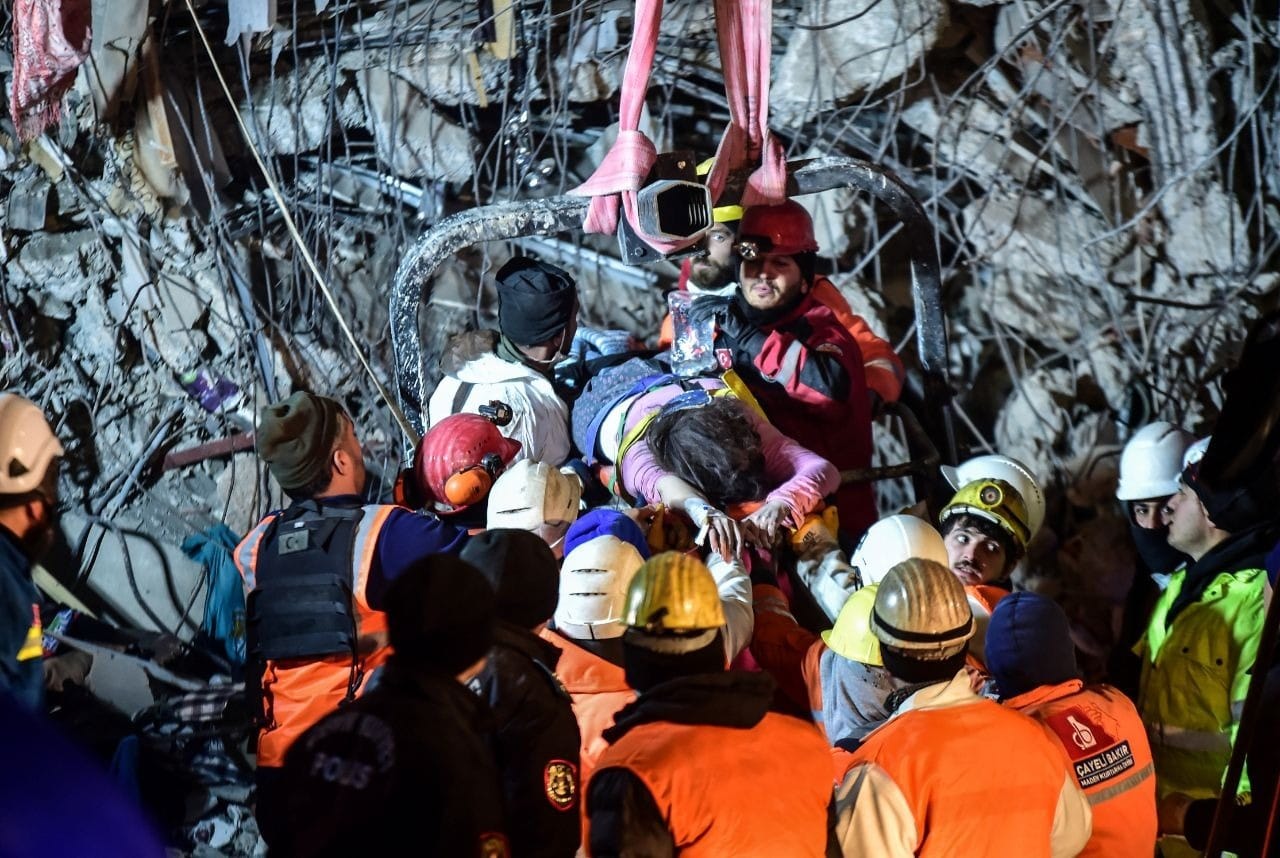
(302, 605)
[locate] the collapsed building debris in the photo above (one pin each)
(1102, 178)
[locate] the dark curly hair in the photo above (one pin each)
(713, 448)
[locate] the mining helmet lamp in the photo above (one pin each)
(752, 248)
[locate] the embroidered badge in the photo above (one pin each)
(493, 846)
(561, 782)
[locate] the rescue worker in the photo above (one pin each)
(537, 317)
(455, 465)
(714, 269)
(535, 732)
(838, 677)
(819, 378)
(950, 772)
(697, 765)
(587, 629)
(406, 768)
(30, 665)
(29, 459)
(1033, 662)
(1001, 467)
(316, 576)
(986, 528)
(1149, 468)
(1203, 636)
(536, 497)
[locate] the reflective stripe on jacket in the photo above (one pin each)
(299, 692)
(1195, 674)
(754, 791)
(920, 785)
(1106, 746)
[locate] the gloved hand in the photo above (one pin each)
(597, 342)
(725, 312)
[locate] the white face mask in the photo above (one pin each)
(560, 354)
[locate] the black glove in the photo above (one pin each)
(728, 316)
(707, 309)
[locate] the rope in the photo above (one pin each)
(398, 414)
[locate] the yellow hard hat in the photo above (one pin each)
(720, 214)
(994, 500)
(673, 592)
(852, 637)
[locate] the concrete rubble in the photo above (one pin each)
(1102, 199)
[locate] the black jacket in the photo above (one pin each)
(536, 743)
(405, 769)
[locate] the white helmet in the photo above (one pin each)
(1151, 462)
(1009, 469)
(528, 495)
(892, 540)
(27, 445)
(593, 588)
(1193, 454)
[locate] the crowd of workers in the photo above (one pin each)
(646, 615)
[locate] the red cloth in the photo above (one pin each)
(50, 41)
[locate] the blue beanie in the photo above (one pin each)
(605, 522)
(1029, 644)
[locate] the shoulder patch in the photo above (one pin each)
(829, 348)
(560, 780)
(493, 845)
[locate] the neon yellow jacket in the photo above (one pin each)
(1195, 674)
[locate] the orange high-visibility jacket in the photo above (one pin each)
(598, 688)
(299, 692)
(759, 791)
(1105, 743)
(966, 778)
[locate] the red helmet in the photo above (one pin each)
(785, 228)
(459, 458)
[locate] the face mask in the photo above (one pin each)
(1154, 549)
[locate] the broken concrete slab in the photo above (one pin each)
(414, 140)
(841, 48)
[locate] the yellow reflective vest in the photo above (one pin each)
(1195, 674)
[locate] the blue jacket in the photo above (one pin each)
(21, 655)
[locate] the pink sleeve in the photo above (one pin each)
(640, 473)
(803, 478)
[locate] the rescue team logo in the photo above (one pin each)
(829, 348)
(493, 846)
(1096, 755)
(560, 779)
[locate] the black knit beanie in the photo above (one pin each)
(522, 570)
(440, 615)
(295, 437)
(536, 301)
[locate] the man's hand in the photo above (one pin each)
(72, 666)
(764, 526)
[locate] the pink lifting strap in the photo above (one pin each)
(744, 30)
